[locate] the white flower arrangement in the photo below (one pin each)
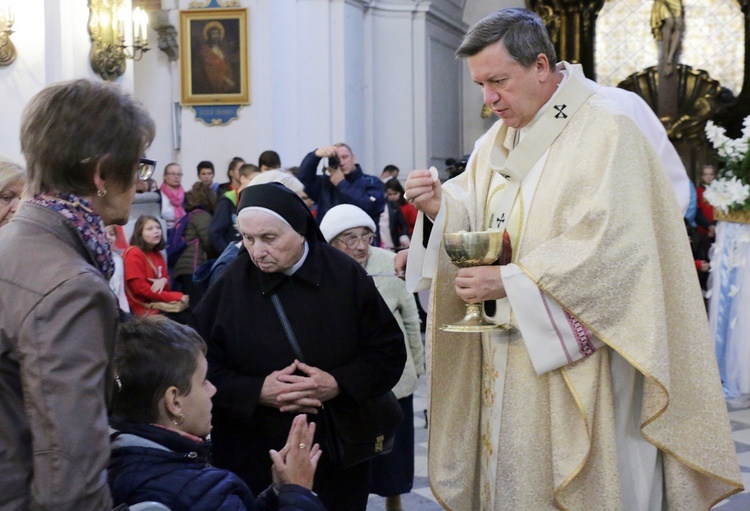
(731, 189)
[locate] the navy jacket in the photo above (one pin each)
(222, 232)
(359, 189)
(150, 463)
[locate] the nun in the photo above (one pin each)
(353, 347)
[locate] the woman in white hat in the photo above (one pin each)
(351, 230)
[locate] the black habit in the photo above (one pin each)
(343, 327)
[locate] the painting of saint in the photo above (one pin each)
(215, 57)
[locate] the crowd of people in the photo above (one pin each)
(199, 363)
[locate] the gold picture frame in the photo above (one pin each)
(214, 57)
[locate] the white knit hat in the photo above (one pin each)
(343, 217)
(278, 176)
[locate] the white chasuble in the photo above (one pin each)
(507, 433)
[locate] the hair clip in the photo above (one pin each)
(118, 382)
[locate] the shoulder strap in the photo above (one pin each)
(149, 261)
(287, 327)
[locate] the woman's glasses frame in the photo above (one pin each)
(146, 168)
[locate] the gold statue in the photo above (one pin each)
(667, 25)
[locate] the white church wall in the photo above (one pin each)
(473, 124)
(412, 98)
(443, 117)
(379, 75)
(52, 44)
(391, 78)
(306, 86)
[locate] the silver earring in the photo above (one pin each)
(179, 420)
(102, 192)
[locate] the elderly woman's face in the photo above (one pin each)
(355, 243)
(272, 244)
(10, 199)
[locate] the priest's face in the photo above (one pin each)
(272, 244)
(515, 93)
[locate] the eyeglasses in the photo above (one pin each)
(176, 174)
(351, 243)
(145, 169)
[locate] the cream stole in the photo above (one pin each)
(512, 163)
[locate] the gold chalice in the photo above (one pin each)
(467, 249)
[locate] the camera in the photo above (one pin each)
(456, 166)
(333, 162)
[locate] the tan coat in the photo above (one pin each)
(58, 320)
(404, 308)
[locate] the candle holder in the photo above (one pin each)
(109, 50)
(7, 49)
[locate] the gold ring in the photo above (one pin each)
(302, 445)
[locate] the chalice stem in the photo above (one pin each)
(474, 314)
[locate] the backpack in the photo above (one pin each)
(176, 243)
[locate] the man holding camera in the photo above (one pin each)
(342, 182)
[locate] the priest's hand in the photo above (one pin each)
(424, 191)
(480, 283)
(289, 393)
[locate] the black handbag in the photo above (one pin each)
(354, 431)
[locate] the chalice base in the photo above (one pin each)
(473, 321)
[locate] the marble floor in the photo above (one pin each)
(421, 499)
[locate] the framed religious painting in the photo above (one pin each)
(214, 57)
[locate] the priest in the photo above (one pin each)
(604, 393)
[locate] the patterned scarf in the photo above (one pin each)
(90, 226)
(176, 198)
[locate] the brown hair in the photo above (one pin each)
(270, 159)
(152, 354)
(71, 128)
(395, 185)
(233, 164)
(247, 169)
(136, 239)
(200, 195)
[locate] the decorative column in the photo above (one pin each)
(572, 27)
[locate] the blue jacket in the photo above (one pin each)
(150, 463)
(222, 232)
(358, 189)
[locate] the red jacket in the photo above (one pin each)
(706, 209)
(410, 213)
(139, 268)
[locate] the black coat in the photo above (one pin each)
(343, 327)
(153, 464)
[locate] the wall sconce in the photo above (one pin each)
(107, 19)
(7, 49)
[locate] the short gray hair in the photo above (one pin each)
(69, 128)
(521, 31)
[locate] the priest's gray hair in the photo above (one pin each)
(522, 32)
